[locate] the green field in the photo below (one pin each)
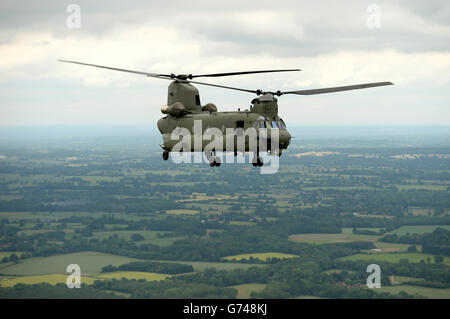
(240, 223)
(100, 191)
(339, 188)
(337, 271)
(89, 262)
(149, 276)
(434, 293)
(394, 257)
(202, 265)
(51, 279)
(182, 212)
(331, 238)
(261, 256)
(56, 215)
(403, 279)
(150, 237)
(424, 187)
(54, 279)
(245, 290)
(421, 229)
(345, 237)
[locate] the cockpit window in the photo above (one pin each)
(260, 124)
(281, 124)
(268, 124)
(274, 124)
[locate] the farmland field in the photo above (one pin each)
(51, 279)
(434, 293)
(202, 265)
(331, 238)
(345, 237)
(89, 262)
(80, 201)
(181, 212)
(150, 237)
(54, 279)
(417, 229)
(133, 275)
(395, 257)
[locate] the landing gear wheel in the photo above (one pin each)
(254, 162)
(217, 161)
(259, 161)
(165, 155)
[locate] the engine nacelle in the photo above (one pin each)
(210, 107)
(177, 109)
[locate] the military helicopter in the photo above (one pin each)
(184, 107)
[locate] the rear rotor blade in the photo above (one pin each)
(155, 75)
(338, 88)
(226, 87)
(240, 73)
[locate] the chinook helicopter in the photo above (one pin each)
(184, 108)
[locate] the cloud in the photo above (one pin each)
(329, 41)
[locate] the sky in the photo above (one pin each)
(333, 42)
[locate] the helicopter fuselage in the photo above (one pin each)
(224, 123)
(185, 116)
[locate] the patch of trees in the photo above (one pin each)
(151, 266)
(171, 288)
(438, 273)
(59, 291)
(436, 243)
(368, 232)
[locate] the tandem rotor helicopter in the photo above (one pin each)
(184, 107)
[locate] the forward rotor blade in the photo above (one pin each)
(338, 88)
(159, 76)
(155, 75)
(241, 73)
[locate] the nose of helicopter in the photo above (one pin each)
(285, 139)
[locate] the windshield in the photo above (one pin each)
(274, 124)
(260, 124)
(281, 124)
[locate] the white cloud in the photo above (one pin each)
(330, 44)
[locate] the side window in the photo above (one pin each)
(262, 124)
(197, 99)
(268, 124)
(240, 124)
